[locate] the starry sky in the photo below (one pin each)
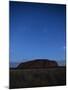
(37, 31)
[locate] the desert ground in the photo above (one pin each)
(25, 78)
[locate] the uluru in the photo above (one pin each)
(38, 64)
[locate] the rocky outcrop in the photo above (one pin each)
(38, 64)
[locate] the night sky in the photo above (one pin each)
(37, 31)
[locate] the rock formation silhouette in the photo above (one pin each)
(38, 64)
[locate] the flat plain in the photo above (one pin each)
(25, 78)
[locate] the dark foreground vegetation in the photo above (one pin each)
(38, 77)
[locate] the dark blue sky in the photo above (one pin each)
(37, 31)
